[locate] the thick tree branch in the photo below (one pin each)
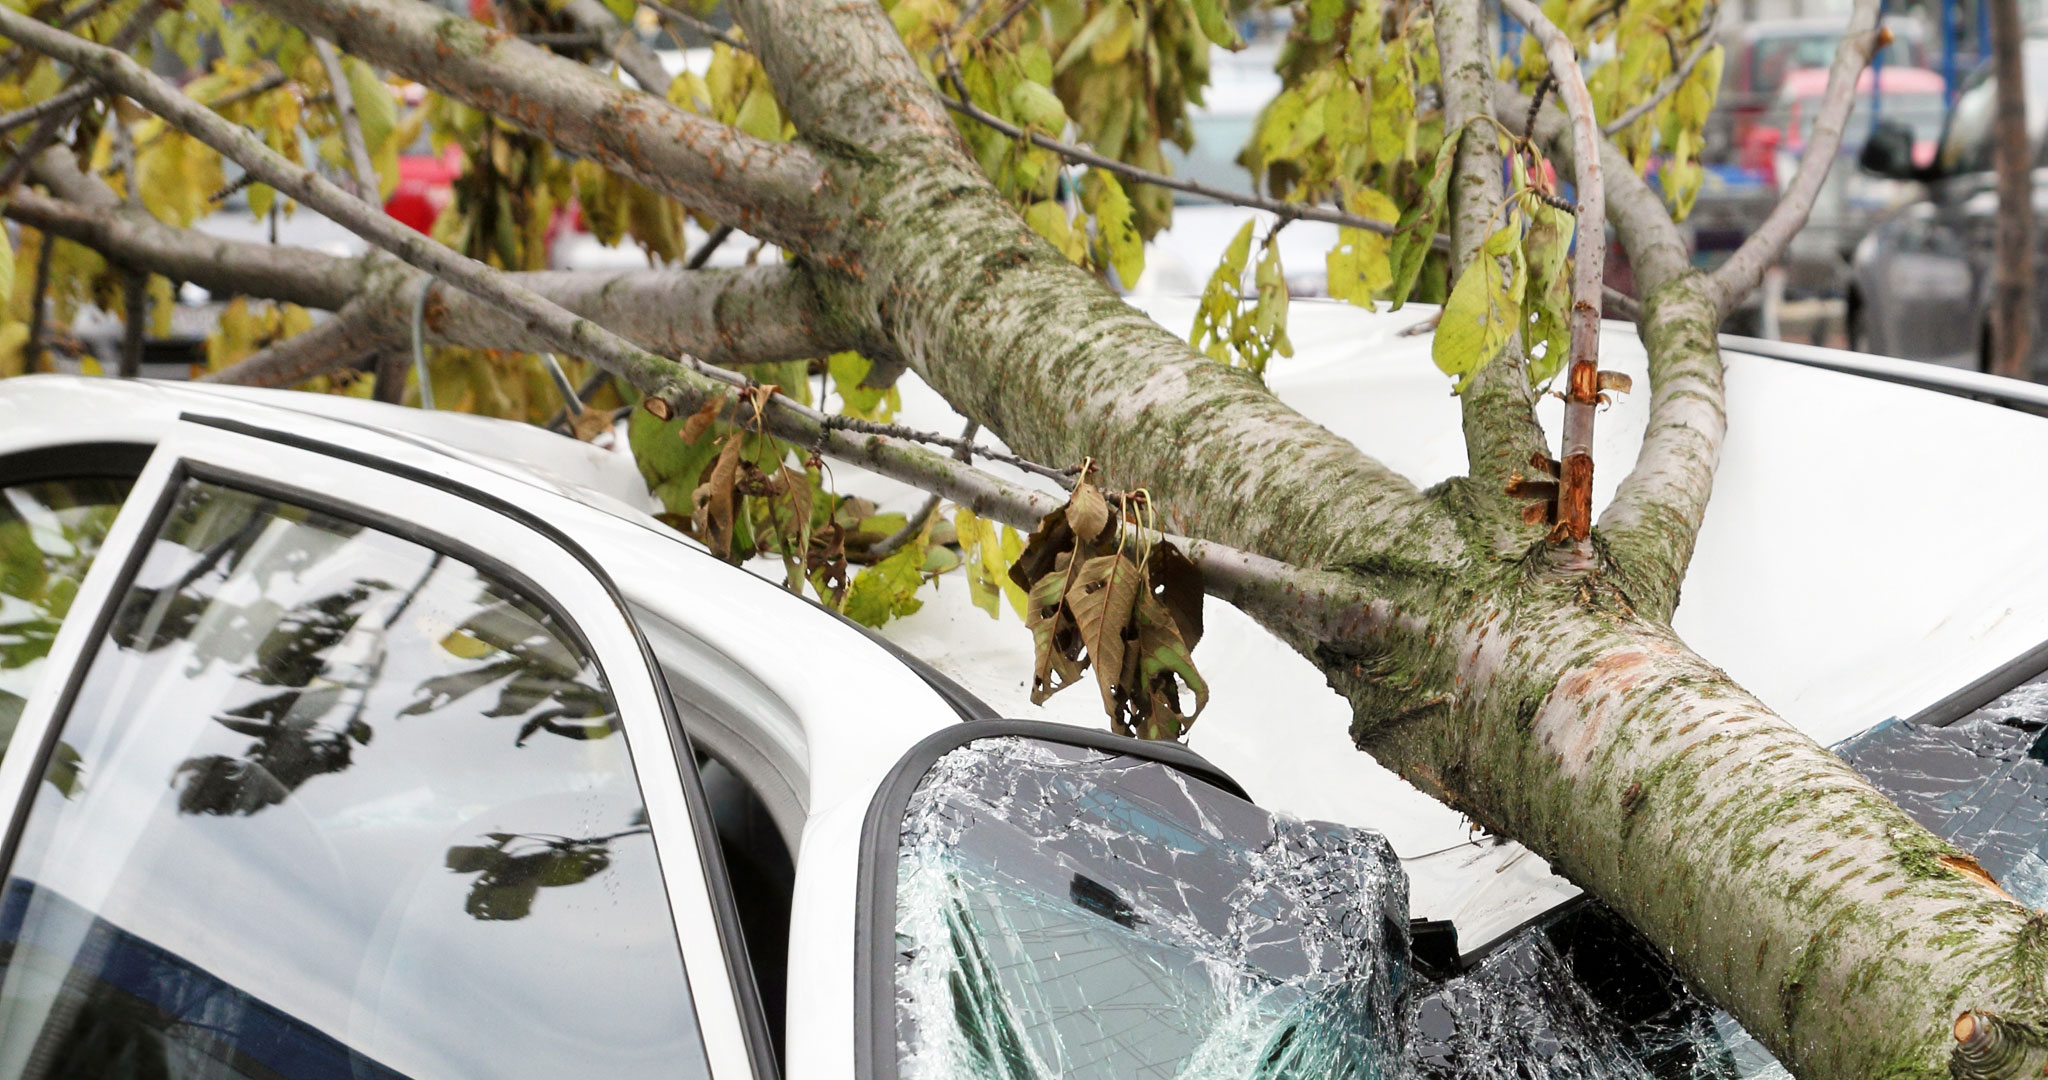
(1502, 436)
(1036, 349)
(89, 214)
(363, 172)
(1582, 392)
(771, 190)
(328, 347)
(1650, 527)
(753, 314)
(1733, 279)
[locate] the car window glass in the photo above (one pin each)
(342, 806)
(1068, 912)
(49, 534)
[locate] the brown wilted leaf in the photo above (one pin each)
(1092, 605)
(1087, 511)
(701, 420)
(590, 423)
(1101, 596)
(713, 500)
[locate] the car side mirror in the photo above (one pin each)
(1889, 152)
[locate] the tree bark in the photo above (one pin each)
(2012, 303)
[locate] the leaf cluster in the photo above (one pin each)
(1096, 599)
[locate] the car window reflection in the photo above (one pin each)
(50, 532)
(346, 807)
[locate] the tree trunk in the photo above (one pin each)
(2012, 304)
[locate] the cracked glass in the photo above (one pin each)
(340, 806)
(1067, 912)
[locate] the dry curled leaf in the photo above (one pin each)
(1092, 604)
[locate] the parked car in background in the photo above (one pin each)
(1921, 279)
(343, 739)
(1764, 52)
(1817, 260)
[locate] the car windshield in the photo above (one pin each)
(1072, 912)
(1212, 160)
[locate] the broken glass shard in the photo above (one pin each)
(1067, 912)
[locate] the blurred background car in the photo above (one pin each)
(1921, 278)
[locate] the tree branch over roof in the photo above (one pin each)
(1502, 437)
(771, 190)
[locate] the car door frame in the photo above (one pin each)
(498, 524)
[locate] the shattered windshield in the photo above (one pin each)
(1066, 912)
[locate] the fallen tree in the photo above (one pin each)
(1501, 649)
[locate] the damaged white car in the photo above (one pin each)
(354, 741)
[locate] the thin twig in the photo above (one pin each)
(256, 89)
(704, 250)
(1543, 90)
(63, 99)
(959, 445)
(1287, 211)
(350, 121)
(687, 21)
(916, 523)
(1666, 88)
(1582, 394)
(565, 39)
(1620, 305)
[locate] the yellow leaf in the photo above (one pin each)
(465, 646)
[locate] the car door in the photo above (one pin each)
(344, 761)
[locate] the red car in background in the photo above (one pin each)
(1916, 97)
(426, 185)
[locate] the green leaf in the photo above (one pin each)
(1214, 19)
(1322, 18)
(1113, 218)
(888, 589)
(1483, 309)
(848, 370)
(1049, 219)
(1038, 107)
(759, 114)
(1416, 233)
(1360, 266)
(671, 466)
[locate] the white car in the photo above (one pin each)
(350, 740)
